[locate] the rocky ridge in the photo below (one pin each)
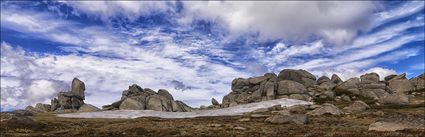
(302, 85)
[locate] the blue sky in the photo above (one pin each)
(195, 49)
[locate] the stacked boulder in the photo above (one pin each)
(302, 85)
(371, 87)
(399, 84)
(137, 98)
(73, 99)
(69, 101)
(288, 84)
(324, 87)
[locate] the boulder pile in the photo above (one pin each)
(137, 98)
(302, 85)
(288, 84)
(70, 101)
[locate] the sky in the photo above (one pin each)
(194, 49)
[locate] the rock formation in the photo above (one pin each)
(289, 84)
(69, 101)
(73, 99)
(302, 85)
(357, 106)
(214, 102)
(137, 98)
(326, 109)
(88, 108)
(399, 84)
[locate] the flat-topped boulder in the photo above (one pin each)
(300, 76)
(351, 86)
(400, 84)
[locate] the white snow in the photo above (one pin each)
(230, 111)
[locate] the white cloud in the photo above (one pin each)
(404, 10)
(290, 20)
(20, 84)
(130, 9)
(346, 73)
(280, 53)
(360, 54)
(382, 72)
(42, 89)
(154, 66)
(285, 19)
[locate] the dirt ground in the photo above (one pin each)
(327, 125)
(352, 125)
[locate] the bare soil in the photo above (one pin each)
(353, 125)
(349, 125)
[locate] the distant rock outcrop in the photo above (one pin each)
(137, 98)
(69, 101)
(73, 99)
(302, 85)
(290, 83)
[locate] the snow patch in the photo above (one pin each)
(230, 111)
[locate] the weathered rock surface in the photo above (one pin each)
(418, 82)
(395, 99)
(88, 108)
(287, 87)
(357, 106)
(336, 79)
(371, 87)
(214, 102)
(399, 84)
(39, 107)
(398, 122)
(31, 109)
(351, 86)
(254, 89)
(137, 98)
(284, 119)
(390, 126)
(269, 87)
(323, 79)
(78, 88)
(389, 77)
(326, 109)
(131, 104)
(69, 101)
(300, 76)
(369, 78)
(301, 85)
(165, 93)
